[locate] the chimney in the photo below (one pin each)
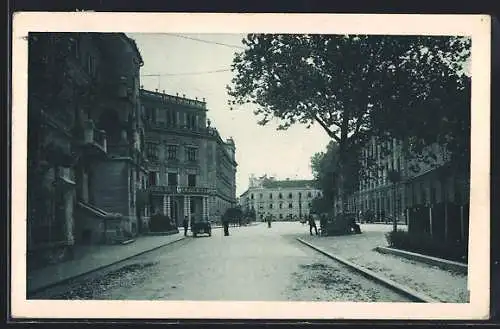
(183, 95)
(177, 94)
(156, 89)
(203, 99)
(142, 86)
(163, 90)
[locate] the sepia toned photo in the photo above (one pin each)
(202, 171)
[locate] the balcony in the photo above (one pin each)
(189, 190)
(94, 138)
(66, 177)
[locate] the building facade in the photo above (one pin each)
(283, 199)
(83, 115)
(428, 195)
(192, 170)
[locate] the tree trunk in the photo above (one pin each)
(342, 195)
(394, 219)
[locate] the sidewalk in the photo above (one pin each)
(440, 284)
(91, 258)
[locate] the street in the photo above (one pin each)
(254, 263)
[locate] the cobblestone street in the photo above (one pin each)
(253, 263)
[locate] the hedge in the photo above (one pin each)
(424, 243)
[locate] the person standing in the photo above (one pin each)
(185, 223)
(269, 219)
(225, 223)
(312, 223)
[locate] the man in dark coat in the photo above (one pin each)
(312, 223)
(225, 223)
(185, 223)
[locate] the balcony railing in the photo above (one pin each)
(182, 190)
(94, 136)
(67, 175)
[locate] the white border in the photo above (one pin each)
(476, 26)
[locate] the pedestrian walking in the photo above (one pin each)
(185, 223)
(312, 223)
(269, 219)
(225, 223)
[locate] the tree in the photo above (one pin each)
(325, 172)
(347, 84)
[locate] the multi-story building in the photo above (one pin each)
(283, 199)
(192, 171)
(428, 194)
(83, 156)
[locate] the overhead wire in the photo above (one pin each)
(206, 41)
(186, 73)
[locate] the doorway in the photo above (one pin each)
(174, 212)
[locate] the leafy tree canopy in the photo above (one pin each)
(358, 86)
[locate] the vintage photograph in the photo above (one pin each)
(248, 167)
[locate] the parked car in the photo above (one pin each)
(201, 227)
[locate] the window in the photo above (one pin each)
(152, 151)
(260, 195)
(75, 47)
(171, 152)
(280, 196)
(270, 195)
(151, 115)
(191, 180)
(251, 196)
(191, 153)
(281, 205)
(281, 216)
(300, 195)
(290, 195)
(270, 206)
(91, 65)
(171, 118)
(309, 194)
(152, 178)
(172, 179)
(290, 205)
(190, 121)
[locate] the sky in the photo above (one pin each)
(186, 63)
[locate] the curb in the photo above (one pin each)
(53, 284)
(443, 263)
(412, 294)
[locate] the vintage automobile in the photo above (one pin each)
(199, 227)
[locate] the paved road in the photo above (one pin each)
(253, 263)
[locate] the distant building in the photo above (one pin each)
(192, 170)
(428, 196)
(283, 199)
